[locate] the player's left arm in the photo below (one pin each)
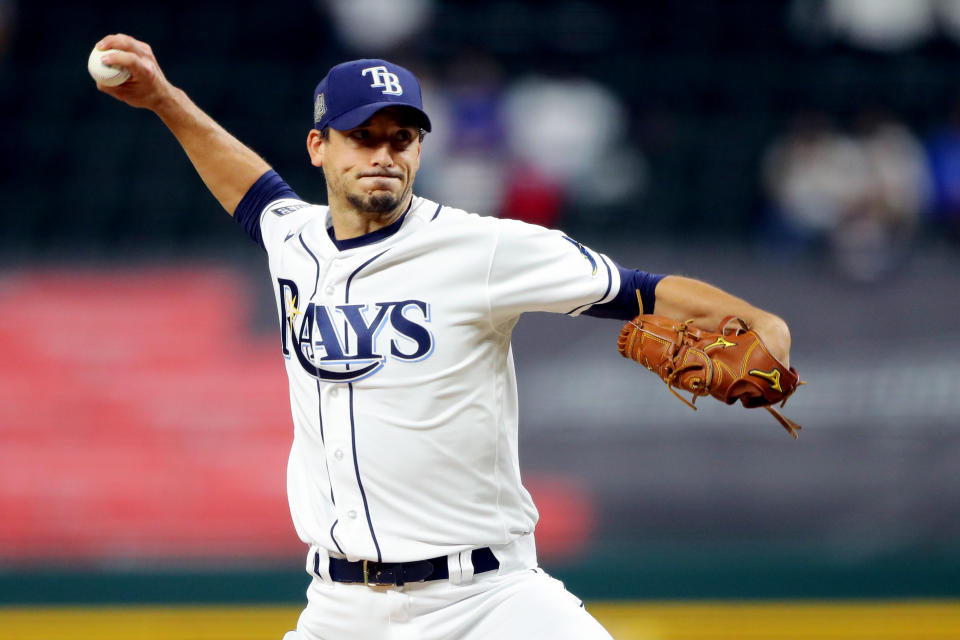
(684, 298)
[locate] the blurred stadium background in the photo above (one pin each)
(804, 154)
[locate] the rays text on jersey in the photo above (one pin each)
(347, 342)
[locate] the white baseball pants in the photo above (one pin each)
(516, 602)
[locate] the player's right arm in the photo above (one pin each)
(226, 165)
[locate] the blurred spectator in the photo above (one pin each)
(948, 14)
(467, 158)
(814, 174)
(526, 149)
(943, 153)
(378, 26)
(532, 196)
(876, 235)
(568, 139)
(882, 25)
(562, 126)
(878, 25)
(861, 194)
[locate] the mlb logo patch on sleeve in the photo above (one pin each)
(290, 208)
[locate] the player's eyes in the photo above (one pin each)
(402, 139)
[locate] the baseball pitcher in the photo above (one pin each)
(395, 315)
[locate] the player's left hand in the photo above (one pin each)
(734, 363)
(775, 334)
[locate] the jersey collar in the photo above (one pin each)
(372, 237)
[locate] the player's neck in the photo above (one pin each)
(349, 222)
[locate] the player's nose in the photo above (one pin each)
(382, 155)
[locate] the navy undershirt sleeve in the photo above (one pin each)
(624, 305)
(268, 187)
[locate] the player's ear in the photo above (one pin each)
(315, 147)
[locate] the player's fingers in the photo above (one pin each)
(146, 87)
(146, 82)
(125, 59)
(117, 41)
(125, 43)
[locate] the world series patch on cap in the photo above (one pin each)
(353, 91)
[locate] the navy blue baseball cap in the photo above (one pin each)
(353, 91)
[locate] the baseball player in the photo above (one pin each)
(395, 317)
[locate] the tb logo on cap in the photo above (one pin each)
(383, 78)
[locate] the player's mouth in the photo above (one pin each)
(380, 174)
(380, 183)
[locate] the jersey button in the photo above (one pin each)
(352, 514)
(338, 454)
(334, 392)
(329, 290)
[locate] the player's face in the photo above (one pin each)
(370, 169)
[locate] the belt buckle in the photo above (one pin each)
(376, 574)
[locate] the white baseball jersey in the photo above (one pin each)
(402, 384)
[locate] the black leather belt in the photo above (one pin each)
(398, 573)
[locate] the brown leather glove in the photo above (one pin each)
(731, 364)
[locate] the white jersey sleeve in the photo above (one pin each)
(269, 210)
(281, 218)
(537, 269)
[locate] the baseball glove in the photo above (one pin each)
(730, 364)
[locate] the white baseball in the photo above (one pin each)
(105, 74)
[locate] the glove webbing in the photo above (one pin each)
(702, 390)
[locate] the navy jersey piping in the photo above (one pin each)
(322, 440)
(373, 236)
(316, 281)
(332, 536)
(356, 468)
(353, 426)
(436, 213)
(346, 297)
(605, 293)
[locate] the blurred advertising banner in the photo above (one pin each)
(141, 418)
